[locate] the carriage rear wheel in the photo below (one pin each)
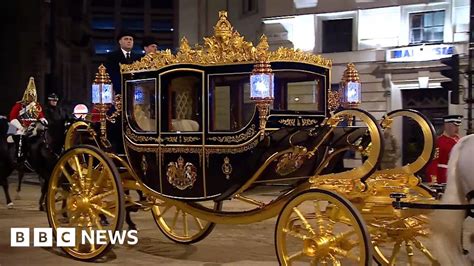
(85, 193)
(319, 227)
(180, 226)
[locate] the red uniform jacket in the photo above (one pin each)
(437, 169)
(19, 112)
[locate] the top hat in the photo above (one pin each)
(148, 40)
(53, 97)
(124, 33)
(455, 119)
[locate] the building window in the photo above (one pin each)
(249, 7)
(162, 25)
(337, 35)
(103, 23)
(133, 3)
(427, 27)
(133, 24)
(103, 3)
(104, 46)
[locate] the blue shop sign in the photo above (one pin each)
(419, 53)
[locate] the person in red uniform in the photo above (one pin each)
(23, 113)
(438, 167)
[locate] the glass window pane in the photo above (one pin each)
(103, 47)
(141, 103)
(162, 25)
(428, 19)
(416, 21)
(303, 96)
(135, 24)
(416, 36)
(439, 18)
(103, 23)
(230, 107)
(181, 107)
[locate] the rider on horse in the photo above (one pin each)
(22, 114)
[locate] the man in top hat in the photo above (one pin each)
(150, 45)
(23, 113)
(124, 55)
(438, 167)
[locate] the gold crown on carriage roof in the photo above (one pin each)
(224, 47)
(30, 92)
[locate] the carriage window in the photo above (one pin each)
(141, 100)
(182, 104)
(298, 91)
(230, 107)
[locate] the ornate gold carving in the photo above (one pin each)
(171, 139)
(180, 174)
(290, 162)
(231, 150)
(288, 122)
(236, 138)
(227, 168)
(139, 138)
(334, 100)
(288, 54)
(142, 149)
(190, 139)
(225, 46)
(308, 122)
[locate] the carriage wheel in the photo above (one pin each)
(78, 134)
(180, 226)
(401, 239)
(319, 227)
(85, 193)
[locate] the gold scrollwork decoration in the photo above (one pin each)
(139, 138)
(225, 46)
(291, 161)
(190, 139)
(236, 138)
(144, 164)
(334, 100)
(308, 122)
(181, 174)
(227, 168)
(288, 122)
(171, 139)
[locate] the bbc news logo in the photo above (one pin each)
(66, 237)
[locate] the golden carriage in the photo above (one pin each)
(195, 140)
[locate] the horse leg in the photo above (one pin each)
(7, 193)
(128, 218)
(21, 173)
(44, 189)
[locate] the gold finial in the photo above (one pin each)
(262, 49)
(350, 74)
(102, 76)
(184, 45)
(30, 92)
(223, 28)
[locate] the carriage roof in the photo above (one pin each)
(226, 46)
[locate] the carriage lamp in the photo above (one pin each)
(261, 91)
(350, 87)
(102, 97)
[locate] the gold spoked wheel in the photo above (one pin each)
(77, 134)
(402, 239)
(85, 193)
(180, 226)
(319, 227)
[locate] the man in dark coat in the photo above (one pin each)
(124, 55)
(150, 45)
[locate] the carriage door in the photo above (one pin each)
(181, 133)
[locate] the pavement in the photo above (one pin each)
(251, 244)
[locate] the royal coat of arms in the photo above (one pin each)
(180, 174)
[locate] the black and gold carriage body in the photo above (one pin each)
(192, 132)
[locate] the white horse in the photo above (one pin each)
(448, 224)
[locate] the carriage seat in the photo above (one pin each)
(184, 125)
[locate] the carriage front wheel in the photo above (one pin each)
(319, 227)
(85, 193)
(180, 226)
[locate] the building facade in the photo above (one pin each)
(395, 45)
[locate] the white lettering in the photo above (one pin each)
(89, 236)
(117, 235)
(132, 237)
(101, 237)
